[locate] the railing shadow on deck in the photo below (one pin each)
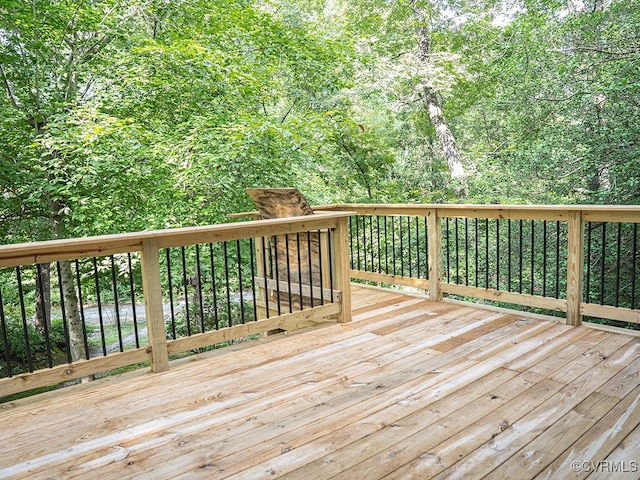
(206, 286)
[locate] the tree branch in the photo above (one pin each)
(568, 50)
(288, 111)
(15, 101)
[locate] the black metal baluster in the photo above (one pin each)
(533, 257)
(634, 264)
(287, 250)
(239, 260)
(557, 259)
(589, 227)
(170, 287)
(357, 220)
(466, 252)
(82, 317)
(65, 320)
(300, 271)
(477, 251)
(418, 247)
(185, 282)
(509, 245)
(214, 288)
(100, 318)
(544, 258)
(371, 243)
(486, 253)
(253, 279)
(330, 264)
(393, 245)
(320, 263)
(226, 278)
(368, 251)
(426, 249)
(448, 248)
(618, 264)
(520, 256)
(5, 339)
(497, 254)
(199, 287)
(266, 276)
(116, 305)
(401, 249)
(45, 320)
(386, 246)
(277, 274)
(379, 250)
(364, 240)
(133, 300)
(409, 246)
(25, 327)
(604, 257)
(311, 285)
(457, 250)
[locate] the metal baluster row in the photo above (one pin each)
(393, 245)
(99, 287)
(491, 253)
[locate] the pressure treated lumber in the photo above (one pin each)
(409, 388)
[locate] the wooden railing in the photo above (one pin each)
(164, 273)
(579, 260)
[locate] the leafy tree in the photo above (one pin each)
(557, 95)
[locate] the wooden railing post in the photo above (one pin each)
(575, 267)
(153, 305)
(434, 232)
(341, 269)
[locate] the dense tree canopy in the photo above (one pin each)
(120, 115)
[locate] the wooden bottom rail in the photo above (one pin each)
(548, 303)
(612, 313)
(536, 301)
(71, 371)
(559, 305)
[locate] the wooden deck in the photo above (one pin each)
(409, 389)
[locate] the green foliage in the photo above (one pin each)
(126, 115)
(18, 353)
(556, 106)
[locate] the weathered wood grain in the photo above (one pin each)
(408, 389)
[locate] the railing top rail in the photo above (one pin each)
(471, 206)
(68, 249)
(608, 213)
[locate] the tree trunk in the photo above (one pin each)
(446, 138)
(77, 344)
(432, 103)
(43, 298)
(76, 329)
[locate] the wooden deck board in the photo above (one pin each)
(409, 389)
